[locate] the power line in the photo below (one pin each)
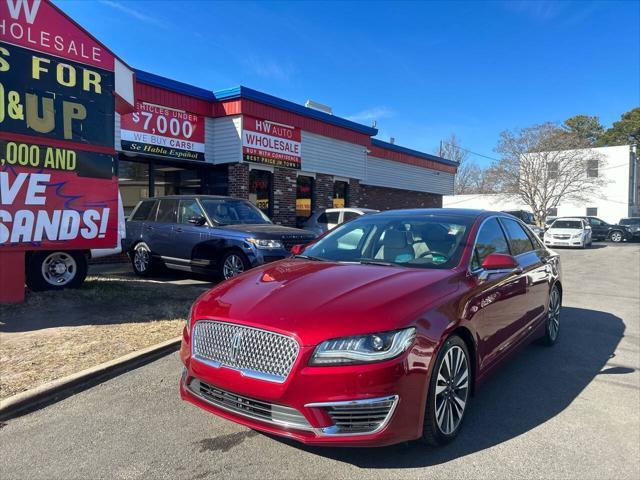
(471, 151)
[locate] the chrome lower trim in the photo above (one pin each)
(334, 431)
(280, 411)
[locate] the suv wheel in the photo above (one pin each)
(616, 236)
(141, 260)
(232, 264)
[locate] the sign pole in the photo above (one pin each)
(12, 276)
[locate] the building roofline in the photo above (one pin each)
(174, 85)
(260, 97)
(413, 153)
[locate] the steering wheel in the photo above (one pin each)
(434, 253)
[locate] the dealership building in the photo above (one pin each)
(288, 159)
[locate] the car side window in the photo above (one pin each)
(143, 210)
(329, 217)
(518, 238)
(349, 216)
(189, 209)
(167, 211)
(490, 239)
(596, 221)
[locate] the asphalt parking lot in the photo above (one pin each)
(572, 411)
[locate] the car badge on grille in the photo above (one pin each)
(236, 343)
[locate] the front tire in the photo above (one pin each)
(56, 270)
(141, 260)
(448, 395)
(616, 236)
(233, 263)
(552, 326)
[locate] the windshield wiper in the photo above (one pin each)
(365, 261)
(310, 257)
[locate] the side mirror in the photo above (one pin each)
(198, 221)
(499, 261)
(297, 249)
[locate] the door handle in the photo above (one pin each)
(148, 227)
(179, 230)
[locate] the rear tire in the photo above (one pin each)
(142, 261)
(449, 393)
(552, 322)
(56, 270)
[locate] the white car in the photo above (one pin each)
(324, 220)
(568, 232)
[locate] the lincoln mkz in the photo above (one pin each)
(376, 333)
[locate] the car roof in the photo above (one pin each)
(179, 197)
(459, 212)
(578, 219)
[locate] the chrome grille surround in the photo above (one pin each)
(357, 417)
(254, 352)
(274, 414)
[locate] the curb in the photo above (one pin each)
(59, 389)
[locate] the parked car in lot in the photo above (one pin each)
(602, 230)
(377, 342)
(528, 218)
(568, 232)
(205, 234)
(633, 225)
(324, 220)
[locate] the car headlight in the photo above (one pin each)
(188, 325)
(363, 348)
(265, 243)
(577, 235)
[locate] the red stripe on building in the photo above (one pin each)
(167, 98)
(409, 159)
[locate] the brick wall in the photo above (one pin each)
(238, 180)
(284, 196)
(323, 191)
(355, 193)
(383, 198)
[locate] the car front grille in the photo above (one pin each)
(255, 353)
(358, 416)
(249, 407)
(290, 240)
(562, 237)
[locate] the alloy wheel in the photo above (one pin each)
(59, 269)
(554, 314)
(233, 265)
(141, 259)
(616, 237)
(452, 390)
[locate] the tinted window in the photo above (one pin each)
(189, 209)
(518, 238)
(329, 217)
(576, 224)
(490, 239)
(630, 221)
(167, 211)
(596, 221)
(142, 212)
(349, 216)
(233, 212)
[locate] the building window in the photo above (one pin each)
(133, 182)
(552, 212)
(170, 179)
(340, 194)
(592, 168)
(592, 211)
(304, 199)
(260, 187)
(552, 170)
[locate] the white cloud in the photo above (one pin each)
(269, 68)
(132, 12)
(375, 113)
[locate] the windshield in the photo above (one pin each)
(226, 211)
(575, 224)
(422, 241)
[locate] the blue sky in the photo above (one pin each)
(422, 70)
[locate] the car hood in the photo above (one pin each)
(565, 231)
(317, 300)
(267, 230)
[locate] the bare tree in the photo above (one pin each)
(468, 171)
(543, 168)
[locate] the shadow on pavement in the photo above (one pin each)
(535, 386)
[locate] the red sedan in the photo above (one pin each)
(376, 333)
